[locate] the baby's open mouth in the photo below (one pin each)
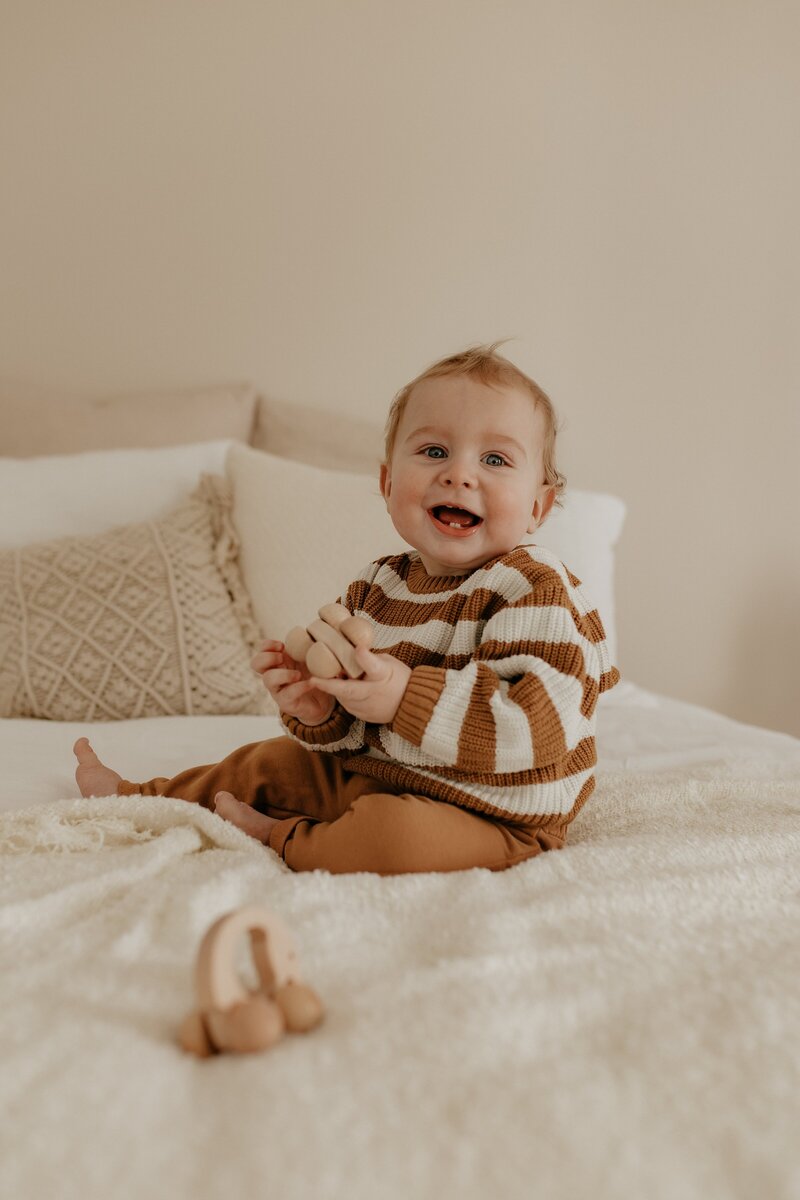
(453, 518)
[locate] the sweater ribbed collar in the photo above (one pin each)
(419, 581)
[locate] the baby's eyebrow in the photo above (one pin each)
(423, 429)
(487, 437)
(504, 437)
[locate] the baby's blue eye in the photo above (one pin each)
(500, 460)
(438, 451)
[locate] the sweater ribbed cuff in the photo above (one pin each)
(423, 690)
(334, 729)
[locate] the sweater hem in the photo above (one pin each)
(405, 779)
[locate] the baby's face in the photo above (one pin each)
(465, 482)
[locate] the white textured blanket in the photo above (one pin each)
(617, 1019)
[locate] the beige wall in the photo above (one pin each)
(323, 196)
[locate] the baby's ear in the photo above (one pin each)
(541, 509)
(385, 480)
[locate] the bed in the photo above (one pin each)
(614, 1019)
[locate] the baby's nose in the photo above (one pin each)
(457, 473)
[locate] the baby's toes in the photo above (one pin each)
(243, 816)
(84, 752)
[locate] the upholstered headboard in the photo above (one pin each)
(36, 421)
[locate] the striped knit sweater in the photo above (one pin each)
(499, 711)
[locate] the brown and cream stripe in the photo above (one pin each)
(499, 713)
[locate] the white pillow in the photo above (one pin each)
(305, 533)
(583, 534)
(82, 494)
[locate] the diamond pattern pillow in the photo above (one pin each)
(146, 620)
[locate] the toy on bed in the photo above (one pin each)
(327, 646)
(234, 1017)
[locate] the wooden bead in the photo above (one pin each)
(357, 630)
(338, 644)
(334, 614)
(298, 643)
(301, 1006)
(254, 1024)
(322, 662)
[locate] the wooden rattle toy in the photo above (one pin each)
(326, 646)
(234, 1017)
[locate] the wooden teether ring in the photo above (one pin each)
(236, 1018)
(217, 982)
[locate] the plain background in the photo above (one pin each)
(323, 196)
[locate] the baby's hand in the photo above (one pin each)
(290, 686)
(376, 696)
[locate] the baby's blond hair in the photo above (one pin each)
(485, 364)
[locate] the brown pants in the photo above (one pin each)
(340, 821)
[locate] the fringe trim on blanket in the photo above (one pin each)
(40, 831)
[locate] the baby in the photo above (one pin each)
(469, 739)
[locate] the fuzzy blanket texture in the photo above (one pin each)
(616, 1019)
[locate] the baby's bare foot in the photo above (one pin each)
(257, 824)
(92, 776)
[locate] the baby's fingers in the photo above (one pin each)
(277, 680)
(341, 687)
(289, 695)
(267, 658)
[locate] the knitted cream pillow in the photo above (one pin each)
(145, 620)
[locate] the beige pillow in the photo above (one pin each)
(149, 619)
(305, 533)
(36, 421)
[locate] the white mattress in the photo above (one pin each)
(637, 731)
